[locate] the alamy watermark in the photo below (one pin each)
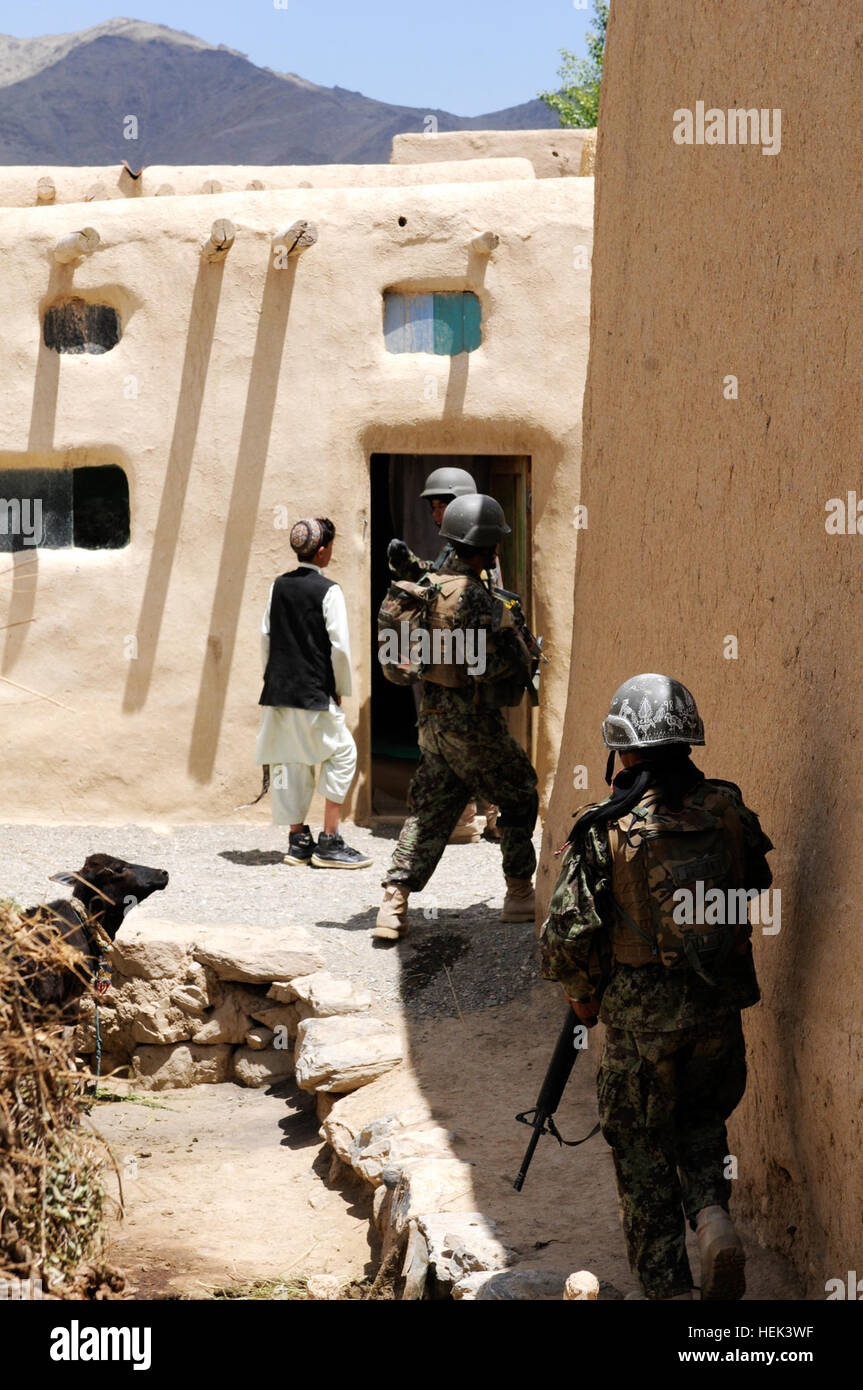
(22, 516)
(848, 1288)
(718, 907)
(737, 126)
(440, 647)
(844, 518)
(20, 1290)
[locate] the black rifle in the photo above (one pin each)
(513, 603)
(539, 1119)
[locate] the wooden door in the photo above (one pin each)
(510, 484)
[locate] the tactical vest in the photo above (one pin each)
(440, 618)
(655, 853)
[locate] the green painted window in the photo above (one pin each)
(440, 322)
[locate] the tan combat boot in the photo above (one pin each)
(519, 904)
(722, 1255)
(467, 831)
(392, 919)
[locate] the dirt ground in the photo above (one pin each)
(228, 1185)
(225, 1185)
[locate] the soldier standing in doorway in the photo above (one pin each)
(442, 486)
(623, 938)
(463, 738)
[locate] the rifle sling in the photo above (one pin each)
(547, 1126)
(569, 1143)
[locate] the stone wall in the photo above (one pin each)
(706, 505)
(199, 1004)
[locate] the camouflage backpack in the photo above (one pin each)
(426, 607)
(674, 876)
(403, 612)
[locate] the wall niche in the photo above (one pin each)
(76, 325)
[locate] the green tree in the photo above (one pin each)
(577, 99)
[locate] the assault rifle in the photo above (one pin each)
(539, 1119)
(512, 605)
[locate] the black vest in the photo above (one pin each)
(299, 671)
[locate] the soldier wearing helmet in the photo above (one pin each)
(465, 745)
(441, 486)
(628, 936)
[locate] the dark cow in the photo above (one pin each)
(104, 889)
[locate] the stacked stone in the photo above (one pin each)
(193, 1004)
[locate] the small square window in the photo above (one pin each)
(439, 322)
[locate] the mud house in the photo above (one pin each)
(191, 362)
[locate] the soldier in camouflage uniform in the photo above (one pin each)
(464, 742)
(442, 486)
(673, 1067)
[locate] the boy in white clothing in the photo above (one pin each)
(305, 648)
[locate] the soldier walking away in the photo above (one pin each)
(628, 937)
(442, 486)
(464, 742)
(305, 648)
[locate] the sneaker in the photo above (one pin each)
(301, 845)
(331, 852)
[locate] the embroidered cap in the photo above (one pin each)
(307, 537)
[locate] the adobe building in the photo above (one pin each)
(554, 154)
(186, 374)
(721, 443)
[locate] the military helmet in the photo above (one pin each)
(474, 520)
(448, 482)
(650, 711)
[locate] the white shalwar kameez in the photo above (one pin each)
(297, 741)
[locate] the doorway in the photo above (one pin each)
(397, 510)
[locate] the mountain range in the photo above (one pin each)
(64, 99)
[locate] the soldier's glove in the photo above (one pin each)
(398, 555)
(586, 1013)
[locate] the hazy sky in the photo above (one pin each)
(465, 56)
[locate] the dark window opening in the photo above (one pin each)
(100, 507)
(76, 326)
(53, 508)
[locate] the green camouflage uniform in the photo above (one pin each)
(466, 750)
(673, 1067)
(414, 568)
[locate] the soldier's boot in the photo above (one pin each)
(467, 831)
(723, 1258)
(519, 905)
(392, 918)
(491, 831)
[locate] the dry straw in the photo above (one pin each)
(52, 1204)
